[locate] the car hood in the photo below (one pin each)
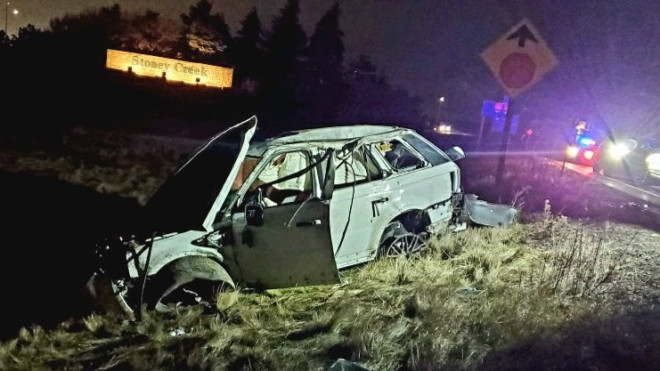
(192, 196)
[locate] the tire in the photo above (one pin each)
(397, 241)
(187, 281)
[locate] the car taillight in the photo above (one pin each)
(588, 155)
(572, 151)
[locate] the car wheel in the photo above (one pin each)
(398, 241)
(185, 282)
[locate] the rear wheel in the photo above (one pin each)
(398, 241)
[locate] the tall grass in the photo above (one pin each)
(473, 293)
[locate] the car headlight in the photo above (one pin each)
(653, 161)
(617, 151)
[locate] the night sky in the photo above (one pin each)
(608, 50)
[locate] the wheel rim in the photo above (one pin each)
(189, 293)
(407, 244)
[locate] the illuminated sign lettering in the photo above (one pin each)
(170, 69)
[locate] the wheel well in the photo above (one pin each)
(414, 221)
(199, 267)
(185, 271)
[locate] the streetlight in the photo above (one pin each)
(441, 101)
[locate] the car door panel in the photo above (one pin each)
(355, 215)
(291, 248)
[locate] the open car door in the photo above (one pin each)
(289, 244)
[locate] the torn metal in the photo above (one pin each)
(488, 214)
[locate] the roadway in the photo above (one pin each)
(650, 195)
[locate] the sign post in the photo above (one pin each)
(518, 59)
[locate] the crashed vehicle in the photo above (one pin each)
(288, 211)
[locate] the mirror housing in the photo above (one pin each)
(455, 153)
(254, 210)
(254, 214)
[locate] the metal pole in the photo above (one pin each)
(481, 131)
(505, 142)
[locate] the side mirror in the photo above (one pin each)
(254, 214)
(254, 211)
(455, 153)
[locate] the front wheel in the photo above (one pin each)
(185, 282)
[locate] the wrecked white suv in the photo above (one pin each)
(288, 211)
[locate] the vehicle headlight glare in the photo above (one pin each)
(617, 151)
(653, 161)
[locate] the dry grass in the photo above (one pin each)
(474, 293)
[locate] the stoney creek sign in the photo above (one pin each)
(170, 69)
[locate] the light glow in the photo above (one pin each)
(170, 69)
(617, 151)
(589, 155)
(572, 151)
(443, 129)
(587, 142)
(653, 161)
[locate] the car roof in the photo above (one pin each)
(336, 134)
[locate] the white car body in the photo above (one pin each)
(355, 196)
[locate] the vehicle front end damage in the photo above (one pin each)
(108, 287)
(134, 272)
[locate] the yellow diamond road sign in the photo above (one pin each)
(520, 58)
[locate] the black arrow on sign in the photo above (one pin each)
(522, 34)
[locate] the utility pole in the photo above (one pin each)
(13, 12)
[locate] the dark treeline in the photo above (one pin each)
(56, 79)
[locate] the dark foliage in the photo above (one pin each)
(50, 230)
(287, 81)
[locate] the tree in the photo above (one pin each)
(285, 54)
(248, 52)
(325, 68)
(371, 98)
(146, 33)
(206, 37)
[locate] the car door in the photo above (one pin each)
(292, 247)
(360, 207)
